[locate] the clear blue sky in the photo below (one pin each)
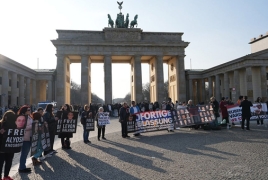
(218, 31)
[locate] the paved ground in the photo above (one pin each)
(184, 154)
(115, 126)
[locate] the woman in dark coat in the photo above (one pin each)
(5, 157)
(65, 137)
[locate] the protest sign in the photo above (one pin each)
(14, 126)
(68, 124)
(35, 135)
(258, 111)
(184, 118)
(90, 124)
(45, 138)
(154, 120)
(206, 113)
(235, 113)
(131, 124)
(103, 119)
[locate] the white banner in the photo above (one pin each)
(104, 119)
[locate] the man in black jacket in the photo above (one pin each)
(246, 113)
(124, 115)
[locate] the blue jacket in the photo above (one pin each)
(132, 109)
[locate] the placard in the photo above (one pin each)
(90, 125)
(14, 126)
(103, 119)
(154, 121)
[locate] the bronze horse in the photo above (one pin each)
(134, 22)
(110, 21)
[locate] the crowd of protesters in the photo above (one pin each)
(92, 111)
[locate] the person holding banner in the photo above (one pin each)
(224, 111)
(259, 111)
(101, 129)
(86, 114)
(27, 140)
(246, 112)
(49, 117)
(38, 123)
(5, 157)
(134, 109)
(66, 114)
(215, 106)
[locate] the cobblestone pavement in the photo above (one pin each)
(183, 154)
(78, 136)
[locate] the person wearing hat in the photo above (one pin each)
(134, 109)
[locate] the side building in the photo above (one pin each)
(245, 76)
(21, 85)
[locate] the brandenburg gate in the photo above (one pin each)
(121, 44)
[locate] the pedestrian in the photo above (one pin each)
(224, 112)
(124, 115)
(5, 157)
(38, 120)
(101, 128)
(27, 139)
(246, 112)
(86, 114)
(52, 121)
(215, 106)
(259, 101)
(65, 136)
(134, 109)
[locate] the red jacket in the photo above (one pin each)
(224, 112)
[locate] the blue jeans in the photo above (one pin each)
(39, 149)
(25, 149)
(85, 134)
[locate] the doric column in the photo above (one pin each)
(203, 90)
(14, 89)
(159, 78)
(28, 91)
(61, 80)
(85, 81)
(108, 79)
(236, 84)
(263, 82)
(137, 79)
(217, 88)
(21, 91)
(249, 83)
(190, 90)
(181, 78)
(5, 85)
(226, 84)
(34, 92)
(49, 90)
(210, 86)
(198, 91)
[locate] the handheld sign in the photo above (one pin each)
(14, 132)
(103, 118)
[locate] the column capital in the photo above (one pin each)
(84, 55)
(60, 55)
